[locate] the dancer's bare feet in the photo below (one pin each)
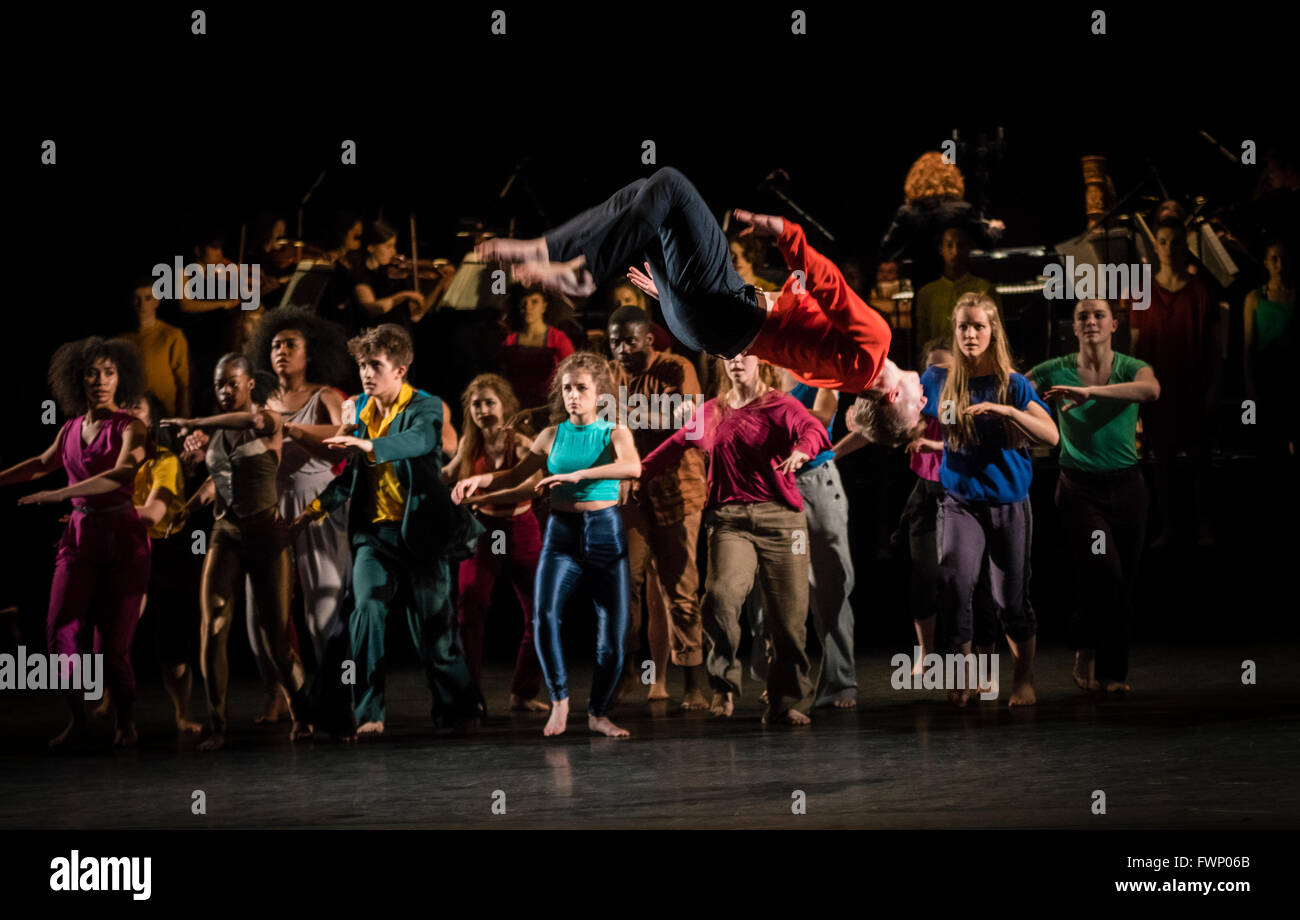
(723, 705)
(519, 704)
(214, 742)
(568, 278)
(559, 719)
(1117, 686)
(1022, 694)
(694, 701)
(512, 252)
(846, 700)
(301, 731)
(187, 726)
(602, 726)
(370, 730)
(274, 708)
(1022, 679)
(1085, 670)
(126, 736)
(657, 692)
(74, 733)
(789, 717)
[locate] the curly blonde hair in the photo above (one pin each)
(579, 362)
(931, 177)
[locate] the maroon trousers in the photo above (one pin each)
(510, 546)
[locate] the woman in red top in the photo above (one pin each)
(512, 541)
(532, 354)
(756, 438)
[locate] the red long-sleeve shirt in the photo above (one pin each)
(819, 329)
(744, 447)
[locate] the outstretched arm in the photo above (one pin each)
(42, 464)
(129, 459)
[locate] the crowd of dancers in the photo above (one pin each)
(373, 504)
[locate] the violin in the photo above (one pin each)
(428, 269)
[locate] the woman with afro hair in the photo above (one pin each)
(309, 357)
(101, 570)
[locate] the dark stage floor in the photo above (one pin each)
(1192, 747)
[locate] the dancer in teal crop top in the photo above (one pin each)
(580, 447)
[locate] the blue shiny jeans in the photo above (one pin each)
(664, 221)
(583, 549)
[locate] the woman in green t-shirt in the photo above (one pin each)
(1101, 494)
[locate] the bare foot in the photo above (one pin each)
(1084, 670)
(370, 730)
(657, 692)
(568, 278)
(187, 726)
(602, 726)
(301, 731)
(845, 701)
(275, 708)
(1117, 686)
(510, 252)
(75, 732)
(1022, 694)
(694, 701)
(519, 704)
(789, 717)
(126, 736)
(559, 719)
(723, 705)
(214, 742)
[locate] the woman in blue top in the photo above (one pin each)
(990, 415)
(584, 457)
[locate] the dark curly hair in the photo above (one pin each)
(327, 346)
(72, 360)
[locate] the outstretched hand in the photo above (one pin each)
(643, 280)
(793, 463)
(544, 485)
(346, 442)
(759, 224)
(1070, 397)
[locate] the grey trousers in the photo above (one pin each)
(984, 546)
(830, 577)
(323, 561)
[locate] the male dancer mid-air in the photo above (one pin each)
(816, 325)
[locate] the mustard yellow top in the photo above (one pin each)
(162, 472)
(390, 497)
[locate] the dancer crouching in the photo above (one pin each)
(584, 545)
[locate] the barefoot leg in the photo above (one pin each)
(559, 719)
(697, 680)
(1022, 681)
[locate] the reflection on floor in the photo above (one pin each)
(1191, 747)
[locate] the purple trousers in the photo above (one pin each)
(101, 573)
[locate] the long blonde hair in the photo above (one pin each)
(961, 433)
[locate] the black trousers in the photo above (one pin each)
(664, 221)
(1109, 506)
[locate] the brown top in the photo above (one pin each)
(679, 489)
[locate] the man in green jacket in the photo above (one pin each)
(403, 529)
